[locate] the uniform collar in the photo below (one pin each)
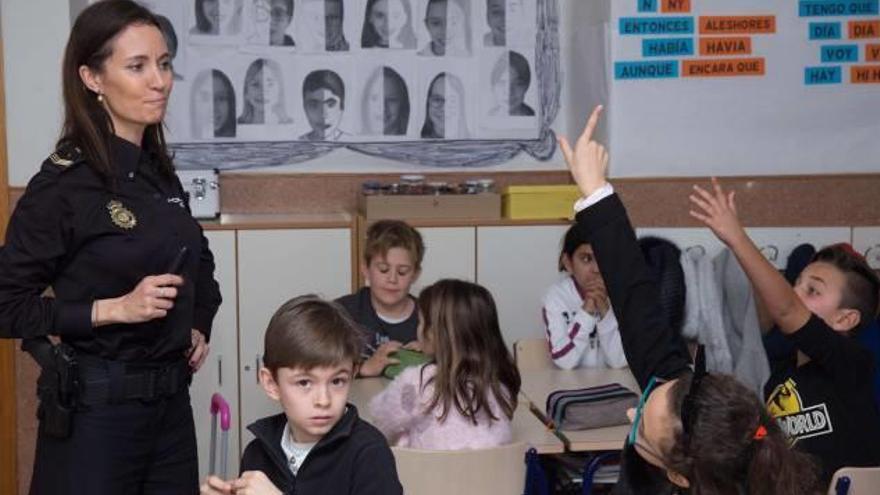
(125, 156)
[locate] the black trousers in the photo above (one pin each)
(133, 447)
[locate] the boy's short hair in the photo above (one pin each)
(308, 332)
(384, 235)
(862, 289)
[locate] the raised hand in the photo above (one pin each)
(717, 210)
(588, 160)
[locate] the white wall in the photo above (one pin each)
(35, 32)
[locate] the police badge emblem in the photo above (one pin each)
(121, 216)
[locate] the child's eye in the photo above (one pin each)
(166, 65)
(303, 383)
(339, 382)
(136, 67)
(403, 272)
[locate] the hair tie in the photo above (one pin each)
(760, 433)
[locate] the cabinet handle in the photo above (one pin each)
(257, 368)
(219, 370)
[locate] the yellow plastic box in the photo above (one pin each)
(540, 202)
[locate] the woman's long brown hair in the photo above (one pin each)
(473, 363)
(87, 125)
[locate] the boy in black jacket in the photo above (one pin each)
(318, 445)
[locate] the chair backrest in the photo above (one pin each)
(532, 354)
(855, 481)
(495, 471)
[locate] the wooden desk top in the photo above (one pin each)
(526, 426)
(538, 384)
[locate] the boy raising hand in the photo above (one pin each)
(825, 402)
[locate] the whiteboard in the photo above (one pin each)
(792, 119)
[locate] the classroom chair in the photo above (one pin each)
(532, 354)
(495, 471)
(855, 481)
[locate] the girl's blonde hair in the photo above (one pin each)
(473, 363)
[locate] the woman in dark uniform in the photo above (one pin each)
(101, 223)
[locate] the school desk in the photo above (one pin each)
(527, 427)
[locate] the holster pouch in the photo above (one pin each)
(57, 387)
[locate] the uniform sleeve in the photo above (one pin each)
(609, 341)
(397, 408)
(375, 472)
(650, 346)
(569, 338)
(37, 241)
(208, 299)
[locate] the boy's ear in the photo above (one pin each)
(846, 319)
(365, 273)
(270, 386)
(677, 479)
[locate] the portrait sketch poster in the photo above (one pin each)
(432, 82)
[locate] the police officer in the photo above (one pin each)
(103, 223)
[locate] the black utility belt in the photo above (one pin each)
(104, 381)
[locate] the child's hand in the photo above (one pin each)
(215, 486)
(380, 359)
(415, 345)
(596, 302)
(718, 212)
(254, 483)
(588, 161)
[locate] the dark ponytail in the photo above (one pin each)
(734, 446)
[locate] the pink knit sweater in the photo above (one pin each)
(399, 412)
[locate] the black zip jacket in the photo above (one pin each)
(353, 458)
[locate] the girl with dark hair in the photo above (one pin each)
(465, 397)
(692, 432)
(104, 223)
(388, 24)
(580, 323)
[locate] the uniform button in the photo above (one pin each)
(131, 175)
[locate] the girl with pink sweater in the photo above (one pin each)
(465, 397)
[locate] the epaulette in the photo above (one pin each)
(66, 156)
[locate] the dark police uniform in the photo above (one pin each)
(91, 239)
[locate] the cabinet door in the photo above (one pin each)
(450, 252)
(518, 264)
(219, 372)
(274, 266)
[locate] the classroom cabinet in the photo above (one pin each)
(517, 264)
(258, 270)
(273, 266)
(219, 373)
(450, 252)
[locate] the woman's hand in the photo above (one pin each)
(152, 298)
(380, 359)
(198, 352)
(588, 161)
(718, 212)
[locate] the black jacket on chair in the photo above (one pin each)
(353, 458)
